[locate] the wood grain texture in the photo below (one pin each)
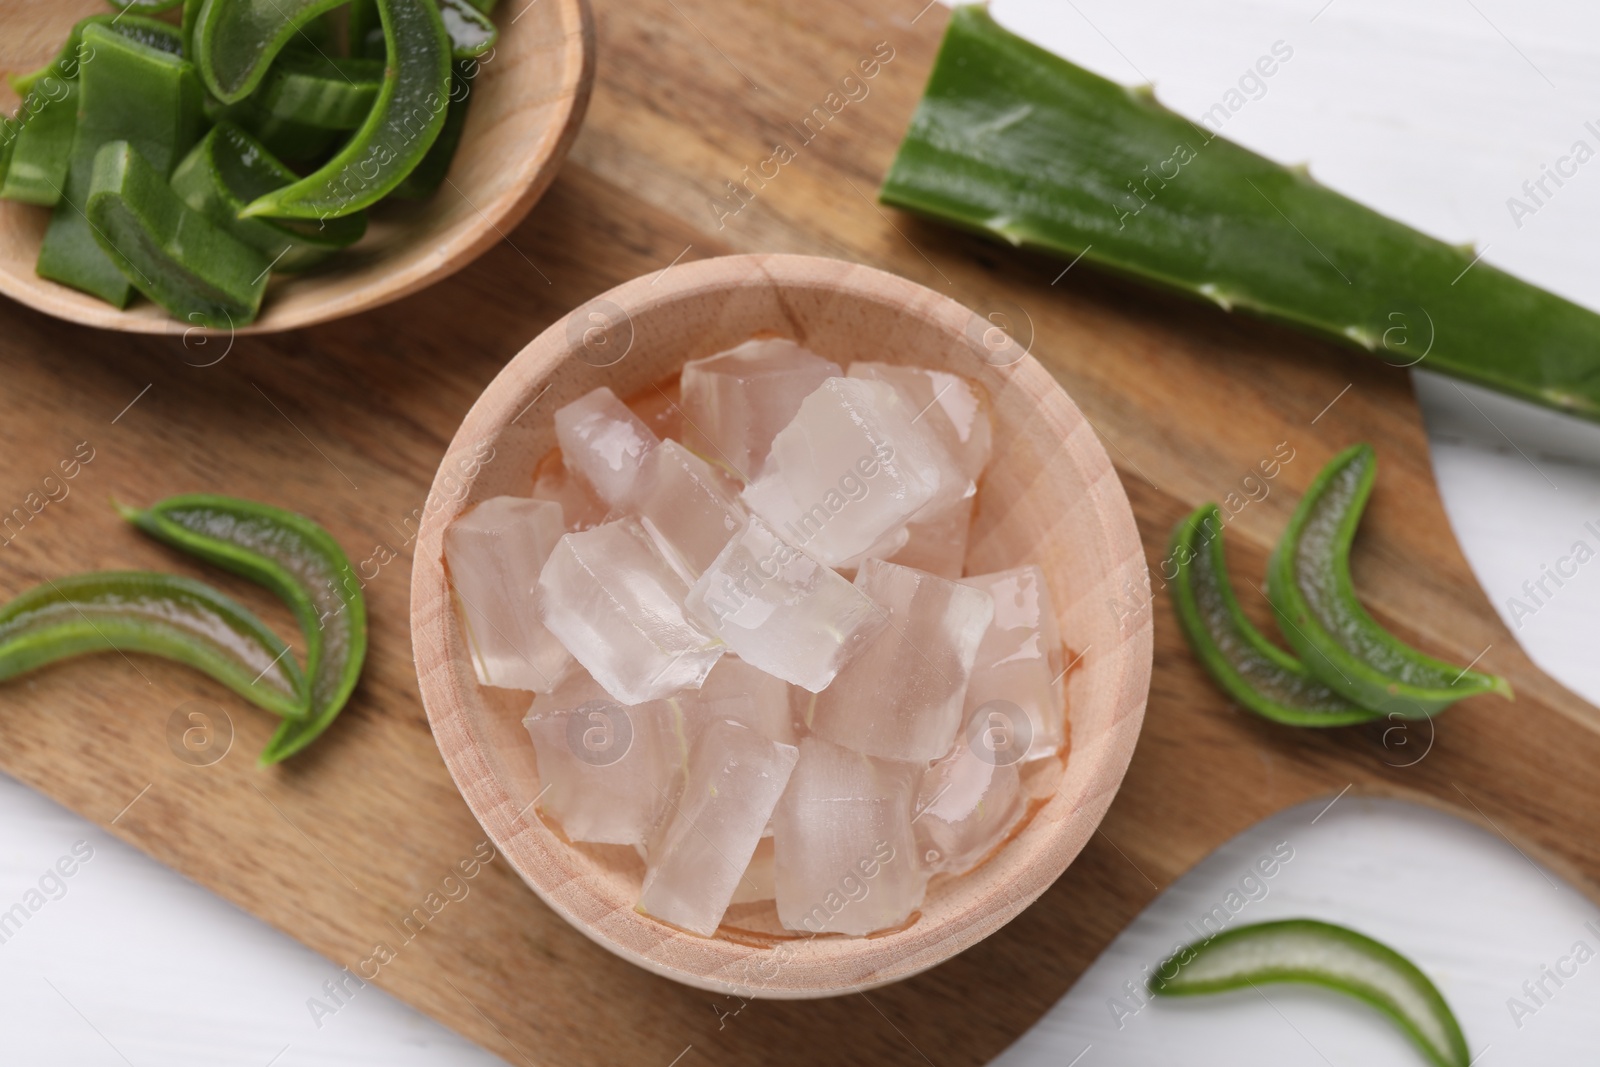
(528, 101)
(1050, 497)
(348, 421)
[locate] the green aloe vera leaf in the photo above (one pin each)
(148, 7)
(1013, 141)
(8, 142)
(425, 179)
(299, 561)
(1308, 582)
(168, 251)
(191, 13)
(363, 30)
(471, 31)
(1309, 952)
(159, 614)
(127, 91)
(227, 170)
(41, 152)
(1248, 667)
(330, 93)
(235, 41)
(286, 139)
(152, 33)
(404, 123)
(290, 140)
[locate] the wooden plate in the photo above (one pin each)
(528, 101)
(1050, 497)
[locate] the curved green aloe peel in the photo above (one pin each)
(163, 615)
(405, 120)
(235, 41)
(1309, 952)
(1308, 582)
(1251, 669)
(1016, 142)
(300, 562)
(1350, 669)
(229, 168)
(189, 622)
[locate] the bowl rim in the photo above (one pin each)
(495, 219)
(533, 850)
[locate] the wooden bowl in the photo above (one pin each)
(528, 100)
(1050, 497)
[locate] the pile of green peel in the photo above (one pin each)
(189, 159)
(1346, 668)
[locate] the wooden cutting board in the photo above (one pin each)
(347, 422)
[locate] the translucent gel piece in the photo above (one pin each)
(688, 508)
(954, 408)
(609, 773)
(780, 610)
(494, 553)
(580, 508)
(605, 444)
(844, 850)
(850, 469)
(734, 780)
(736, 690)
(735, 402)
(967, 804)
(901, 697)
(1020, 658)
(609, 596)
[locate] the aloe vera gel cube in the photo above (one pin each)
(850, 470)
(1019, 663)
(690, 509)
(735, 402)
(611, 598)
(605, 444)
(901, 697)
(782, 611)
(968, 802)
(844, 849)
(609, 772)
(495, 553)
(954, 409)
(733, 784)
